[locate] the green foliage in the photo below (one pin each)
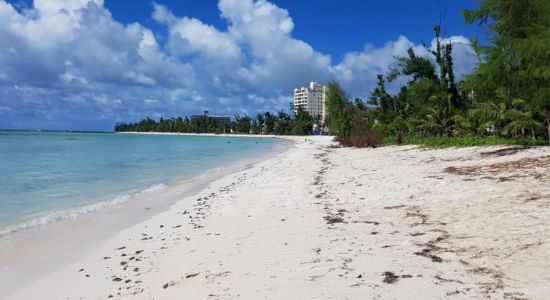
(242, 124)
(339, 110)
(439, 142)
(264, 123)
(438, 119)
(303, 123)
(416, 66)
(283, 124)
(352, 122)
(516, 63)
(507, 96)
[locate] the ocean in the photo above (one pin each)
(49, 176)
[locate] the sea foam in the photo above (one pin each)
(73, 213)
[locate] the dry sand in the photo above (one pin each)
(319, 222)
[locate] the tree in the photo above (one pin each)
(439, 119)
(282, 124)
(269, 120)
(340, 110)
(302, 123)
(517, 61)
(416, 66)
(242, 124)
(260, 118)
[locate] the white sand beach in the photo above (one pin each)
(320, 222)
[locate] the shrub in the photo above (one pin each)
(362, 134)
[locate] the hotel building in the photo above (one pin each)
(311, 99)
(220, 120)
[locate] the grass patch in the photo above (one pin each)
(440, 142)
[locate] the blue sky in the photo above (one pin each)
(85, 64)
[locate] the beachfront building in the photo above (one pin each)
(219, 120)
(311, 99)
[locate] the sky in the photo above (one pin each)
(87, 64)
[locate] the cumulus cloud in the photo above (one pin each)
(69, 64)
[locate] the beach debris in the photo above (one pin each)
(426, 253)
(438, 277)
(191, 275)
(390, 277)
(417, 214)
(333, 220)
(81, 270)
(367, 222)
(121, 248)
(169, 284)
(106, 257)
(395, 206)
(504, 152)
(417, 233)
(533, 167)
(117, 279)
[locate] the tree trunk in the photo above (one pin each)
(548, 122)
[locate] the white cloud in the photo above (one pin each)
(162, 15)
(67, 77)
(191, 36)
(70, 60)
(139, 78)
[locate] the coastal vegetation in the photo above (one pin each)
(439, 142)
(279, 123)
(506, 100)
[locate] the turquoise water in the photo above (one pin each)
(50, 176)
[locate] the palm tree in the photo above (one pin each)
(439, 120)
(520, 122)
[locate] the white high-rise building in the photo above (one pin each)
(311, 99)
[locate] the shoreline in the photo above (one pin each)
(61, 239)
(320, 222)
(70, 213)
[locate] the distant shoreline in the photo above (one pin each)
(56, 131)
(286, 137)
